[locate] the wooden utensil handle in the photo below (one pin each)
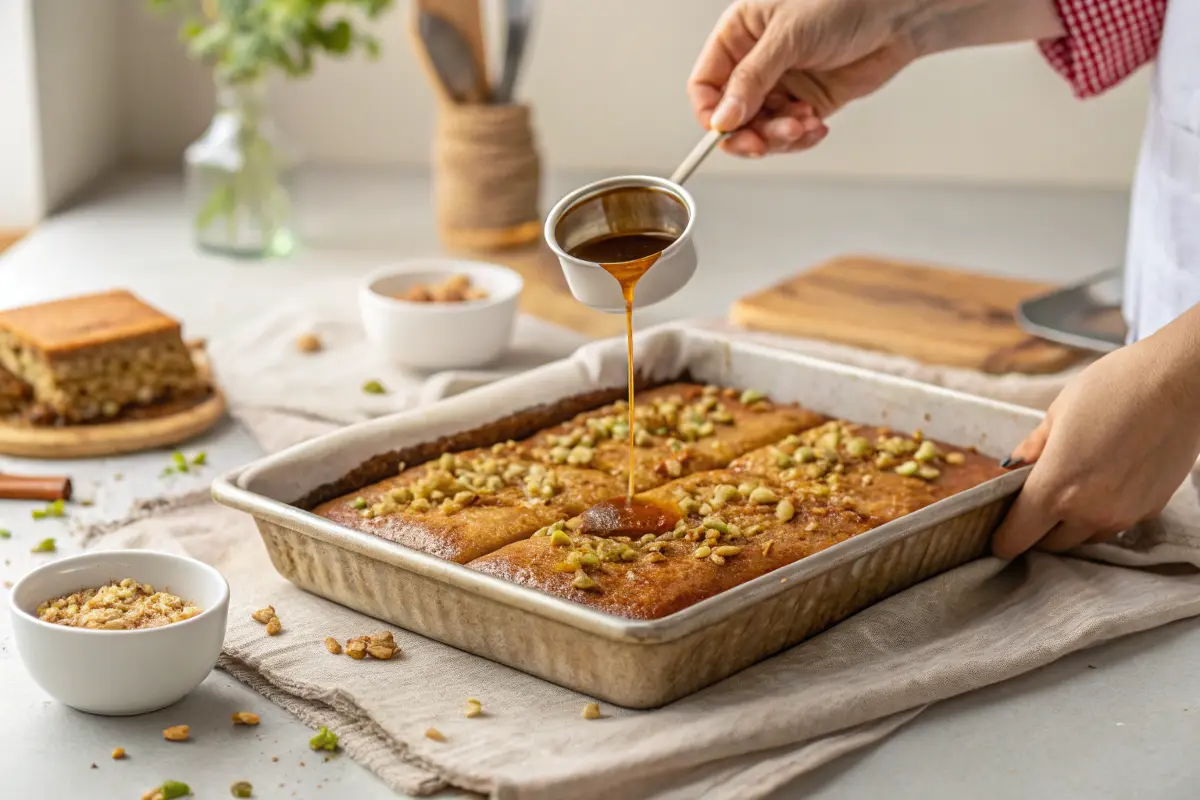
(467, 18)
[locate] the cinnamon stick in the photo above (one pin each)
(30, 487)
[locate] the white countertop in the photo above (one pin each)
(1115, 722)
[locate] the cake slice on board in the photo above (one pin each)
(85, 359)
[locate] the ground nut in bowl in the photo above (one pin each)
(130, 650)
(440, 335)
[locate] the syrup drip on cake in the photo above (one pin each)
(627, 257)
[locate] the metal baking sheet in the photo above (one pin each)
(1087, 315)
(634, 663)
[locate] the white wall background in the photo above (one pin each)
(61, 117)
(88, 84)
(607, 81)
(20, 152)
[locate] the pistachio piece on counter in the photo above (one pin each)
(373, 387)
(324, 740)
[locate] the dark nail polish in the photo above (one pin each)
(1012, 463)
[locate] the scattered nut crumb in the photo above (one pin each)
(263, 615)
(118, 753)
(168, 791)
(8, 584)
(435, 735)
(309, 343)
(176, 733)
(241, 789)
(473, 708)
(380, 646)
(87, 503)
(324, 740)
(591, 711)
(274, 627)
(94, 765)
(244, 718)
(374, 387)
(331, 644)
(44, 546)
(274, 758)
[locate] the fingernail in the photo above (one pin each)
(1012, 463)
(729, 114)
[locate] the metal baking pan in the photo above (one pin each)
(1087, 315)
(634, 663)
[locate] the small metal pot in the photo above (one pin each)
(614, 206)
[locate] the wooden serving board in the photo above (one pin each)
(934, 315)
(546, 294)
(112, 438)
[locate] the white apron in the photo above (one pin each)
(1162, 264)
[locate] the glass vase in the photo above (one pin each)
(236, 176)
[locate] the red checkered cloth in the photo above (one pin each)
(1106, 41)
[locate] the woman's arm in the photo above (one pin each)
(1114, 446)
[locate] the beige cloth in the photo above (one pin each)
(742, 738)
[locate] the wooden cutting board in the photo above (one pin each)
(934, 315)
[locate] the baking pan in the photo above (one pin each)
(633, 663)
(1087, 315)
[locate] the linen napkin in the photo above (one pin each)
(259, 365)
(744, 737)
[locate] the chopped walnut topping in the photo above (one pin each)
(117, 606)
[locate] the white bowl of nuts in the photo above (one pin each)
(120, 632)
(441, 314)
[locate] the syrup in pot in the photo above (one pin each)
(627, 257)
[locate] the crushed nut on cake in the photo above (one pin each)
(117, 606)
(455, 289)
